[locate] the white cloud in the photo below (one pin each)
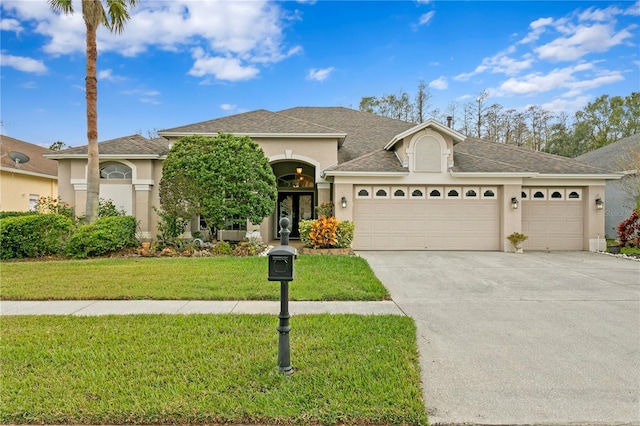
(319, 74)
(633, 10)
(537, 28)
(12, 25)
(559, 105)
(501, 63)
(584, 40)
(426, 18)
(222, 68)
(22, 63)
(228, 107)
(232, 35)
(575, 80)
(108, 75)
(439, 83)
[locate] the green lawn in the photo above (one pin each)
(197, 369)
(216, 278)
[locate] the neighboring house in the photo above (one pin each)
(622, 156)
(406, 186)
(25, 175)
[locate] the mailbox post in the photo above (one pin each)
(281, 269)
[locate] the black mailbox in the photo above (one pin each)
(281, 263)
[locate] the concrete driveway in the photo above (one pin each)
(533, 338)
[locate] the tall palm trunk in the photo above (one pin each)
(92, 21)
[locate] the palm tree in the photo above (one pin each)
(113, 17)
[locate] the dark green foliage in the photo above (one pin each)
(169, 227)
(16, 214)
(106, 235)
(223, 179)
(33, 235)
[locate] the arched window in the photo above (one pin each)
(489, 193)
(398, 193)
(556, 195)
(538, 195)
(523, 195)
(471, 194)
(363, 193)
(381, 193)
(115, 171)
(574, 195)
(417, 193)
(435, 193)
(452, 193)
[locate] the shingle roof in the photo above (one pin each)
(366, 132)
(37, 163)
(377, 161)
(615, 156)
(480, 156)
(260, 121)
(127, 145)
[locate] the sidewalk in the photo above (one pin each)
(130, 307)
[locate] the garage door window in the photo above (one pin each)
(471, 193)
(417, 193)
(381, 193)
(363, 193)
(539, 195)
(435, 193)
(525, 194)
(557, 195)
(488, 193)
(399, 193)
(453, 193)
(574, 195)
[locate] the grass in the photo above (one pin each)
(197, 369)
(217, 278)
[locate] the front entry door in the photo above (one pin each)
(296, 206)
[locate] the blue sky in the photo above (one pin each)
(180, 62)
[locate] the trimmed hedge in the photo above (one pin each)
(103, 236)
(4, 215)
(33, 235)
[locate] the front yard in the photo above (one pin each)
(214, 278)
(203, 369)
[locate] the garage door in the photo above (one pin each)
(553, 218)
(426, 218)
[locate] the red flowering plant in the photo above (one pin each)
(629, 231)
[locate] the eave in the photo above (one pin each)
(351, 173)
(104, 156)
(340, 136)
(27, 173)
(457, 137)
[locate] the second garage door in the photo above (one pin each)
(426, 218)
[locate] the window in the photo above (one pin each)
(539, 195)
(33, 202)
(381, 193)
(488, 194)
(435, 193)
(471, 193)
(574, 195)
(557, 195)
(363, 192)
(417, 193)
(115, 171)
(524, 195)
(453, 192)
(399, 193)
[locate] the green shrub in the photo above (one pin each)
(16, 214)
(33, 235)
(106, 235)
(304, 228)
(344, 234)
(222, 248)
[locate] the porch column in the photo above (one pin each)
(324, 192)
(141, 196)
(511, 218)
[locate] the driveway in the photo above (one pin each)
(533, 338)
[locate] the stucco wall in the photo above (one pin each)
(16, 188)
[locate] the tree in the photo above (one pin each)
(422, 102)
(226, 179)
(113, 17)
(58, 146)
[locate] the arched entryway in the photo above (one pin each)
(296, 193)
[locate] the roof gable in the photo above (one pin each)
(430, 123)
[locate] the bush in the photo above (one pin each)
(629, 231)
(344, 234)
(223, 248)
(323, 232)
(4, 215)
(106, 235)
(48, 205)
(304, 228)
(33, 235)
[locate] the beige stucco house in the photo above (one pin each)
(25, 175)
(406, 186)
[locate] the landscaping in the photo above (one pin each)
(213, 278)
(204, 369)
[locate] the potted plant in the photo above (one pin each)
(516, 240)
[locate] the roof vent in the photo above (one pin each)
(449, 121)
